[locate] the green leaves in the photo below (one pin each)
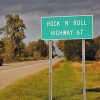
(15, 29)
(73, 49)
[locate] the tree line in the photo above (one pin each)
(72, 49)
(14, 48)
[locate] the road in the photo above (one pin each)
(9, 73)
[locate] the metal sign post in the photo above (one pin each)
(50, 70)
(83, 69)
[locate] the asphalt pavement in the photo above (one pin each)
(12, 72)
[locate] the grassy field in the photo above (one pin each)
(67, 84)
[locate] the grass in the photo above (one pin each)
(67, 84)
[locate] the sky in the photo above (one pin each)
(31, 12)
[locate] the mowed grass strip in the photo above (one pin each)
(67, 85)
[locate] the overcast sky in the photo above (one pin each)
(31, 12)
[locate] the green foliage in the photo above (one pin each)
(14, 48)
(14, 30)
(42, 48)
(8, 49)
(1, 30)
(32, 46)
(37, 55)
(91, 49)
(73, 49)
(37, 49)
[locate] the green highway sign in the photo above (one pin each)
(67, 27)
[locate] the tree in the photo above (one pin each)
(97, 41)
(7, 49)
(37, 49)
(61, 44)
(31, 48)
(42, 47)
(14, 29)
(72, 49)
(97, 56)
(91, 49)
(1, 30)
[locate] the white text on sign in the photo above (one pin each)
(66, 23)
